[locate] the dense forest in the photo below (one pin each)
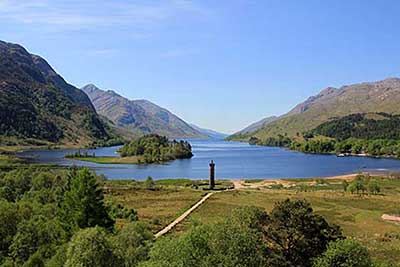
(54, 218)
(361, 126)
(154, 148)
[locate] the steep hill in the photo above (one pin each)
(139, 116)
(37, 103)
(371, 97)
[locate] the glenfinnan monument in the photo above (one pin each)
(212, 174)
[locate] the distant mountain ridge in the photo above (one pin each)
(37, 103)
(258, 125)
(139, 116)
(210, 133)
(369, 97)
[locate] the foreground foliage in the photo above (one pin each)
(61, 219)
(51, 217)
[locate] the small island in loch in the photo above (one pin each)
(147, 149)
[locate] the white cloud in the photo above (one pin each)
(75, 14)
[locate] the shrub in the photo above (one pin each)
(344, 253)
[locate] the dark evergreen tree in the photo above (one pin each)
(83, 204)
(296, 234)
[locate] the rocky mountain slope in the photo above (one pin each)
(139, 116)
(330, 103)
(37, 103)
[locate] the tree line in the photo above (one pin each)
(154, 148)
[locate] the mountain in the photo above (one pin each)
(210, 133)
(139, 116)
(37, 103)
(370, 97)
(257, 125)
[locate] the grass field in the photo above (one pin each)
(9, 160)
(161, 206)
(111, 160)
(359, 216)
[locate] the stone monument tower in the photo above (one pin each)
(212, 174)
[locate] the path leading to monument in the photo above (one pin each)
(183, 216)
(238, 184)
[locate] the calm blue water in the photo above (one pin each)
(233, 160)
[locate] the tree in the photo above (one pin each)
(90, 247)
(296, 235)
(345, 185)
(117, 211)
(132, 244)
(373, 187)
(230, 240)
(344, 253)
(15, 183)
(83, 204)
(37, 239)
(357, 185)
(149, 183)
(9, 219)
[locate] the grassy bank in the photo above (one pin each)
(7, 160)
(111, 160)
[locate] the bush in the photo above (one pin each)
(90, 247)
(357, 185)
(373, 187)
(149, 183)
(117, 211)
(344, 253)
(132, 244)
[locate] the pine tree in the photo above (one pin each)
(83, 204)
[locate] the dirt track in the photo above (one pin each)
(183, 216)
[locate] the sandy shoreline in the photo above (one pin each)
(286, 182)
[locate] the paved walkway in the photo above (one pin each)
(391, 218)
(183, 216)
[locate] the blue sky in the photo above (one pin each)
(219, 64)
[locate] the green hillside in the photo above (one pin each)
(38, 104)
(381, 96)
